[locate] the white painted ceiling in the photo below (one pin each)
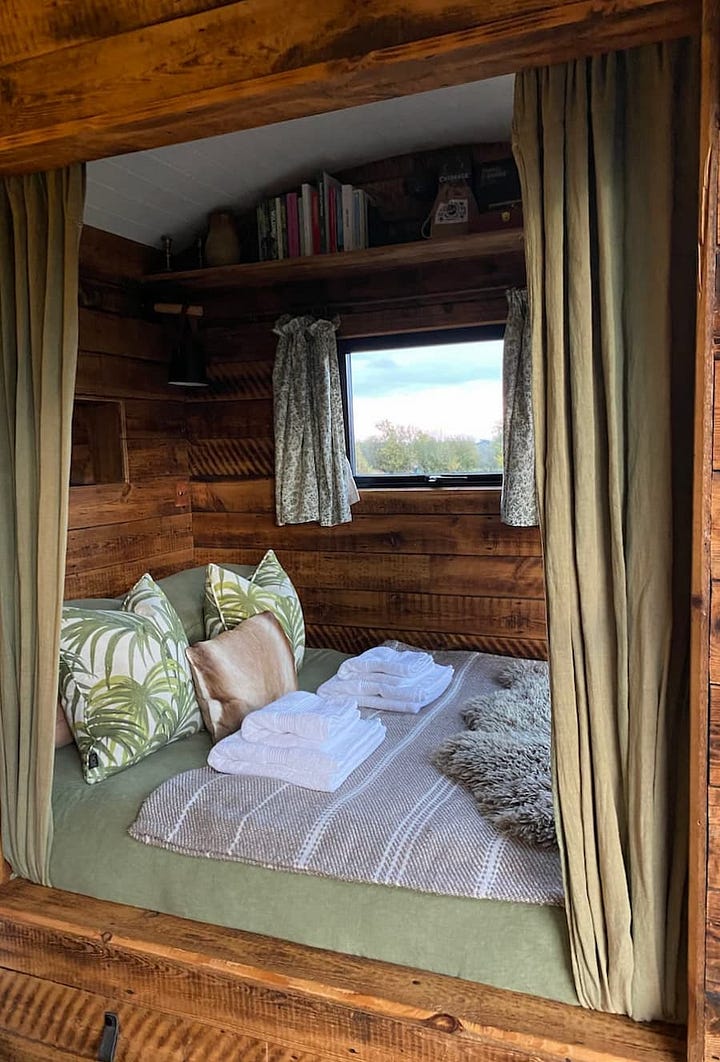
(172, 189)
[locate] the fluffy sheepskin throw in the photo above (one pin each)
(504, 757)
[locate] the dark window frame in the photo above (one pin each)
(430, 337)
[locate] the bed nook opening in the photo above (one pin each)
(427, 566)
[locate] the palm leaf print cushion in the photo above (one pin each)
(124, 692)
(147, 599)
(230, 599)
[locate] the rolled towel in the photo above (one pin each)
(324, 768)
(389, 701)
(300, 715)
(404, 663)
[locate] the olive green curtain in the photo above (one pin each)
(607, 153)
(40, 221)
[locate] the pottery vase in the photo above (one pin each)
(222, 246)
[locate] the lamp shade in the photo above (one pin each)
(187, 362)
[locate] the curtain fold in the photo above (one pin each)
(313, 478)
(40, 222)
(518, 505)
(607, 154)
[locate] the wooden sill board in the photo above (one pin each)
(318, 266)
(274, 992)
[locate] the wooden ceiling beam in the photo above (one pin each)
(33, 27)
(250, 63)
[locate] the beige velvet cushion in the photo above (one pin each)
(240, 671)
(63, 733)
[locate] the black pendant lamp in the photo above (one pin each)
(187, 362)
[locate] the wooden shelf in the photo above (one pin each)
(316, 267)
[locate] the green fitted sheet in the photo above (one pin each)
(509, 945)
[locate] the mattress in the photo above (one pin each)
(517, 946)
(396, 820)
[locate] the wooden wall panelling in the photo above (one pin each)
(113, 257)
(106, 88)
(117, 531)
(704, 862)
(228, 341)
(257, 496)
(403, 573)
(461, 278)
(470, 536)
(432, 567)
(357, 639)
(403, 188)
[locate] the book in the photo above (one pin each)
(281, 226)
(316, 240)
(339, 233)
(358, 210)
(262, 229)
(273, 229)
(332, 221)
(331, 191)
(301, 231)
(306, 192)
(328, 226)
(323, 191)
(326, 218)
(293, 230)
(347, 216)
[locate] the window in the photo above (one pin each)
(425, 408)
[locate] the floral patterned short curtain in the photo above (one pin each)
(518, 505)
(313, 478)
(40, 222)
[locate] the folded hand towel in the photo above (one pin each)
(389, 700)
(325, 768)
(300, 715)
(378, 685)
(383, 658)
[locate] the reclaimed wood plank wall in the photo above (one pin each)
(430, 567)
(117, 531)
(709, 1017)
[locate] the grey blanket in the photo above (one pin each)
(395, 821)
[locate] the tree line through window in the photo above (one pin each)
(424, 407)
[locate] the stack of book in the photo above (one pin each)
(320, 218)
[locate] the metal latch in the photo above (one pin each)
(108, 1043)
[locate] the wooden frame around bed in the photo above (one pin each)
(159, 71)
(229, 995)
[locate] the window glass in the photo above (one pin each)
(429, 410)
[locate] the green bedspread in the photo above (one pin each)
(510, 945)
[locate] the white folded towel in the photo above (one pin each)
(371, 692)
(300, 716)
(404, 663)
(324, 767)
(360, 687)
